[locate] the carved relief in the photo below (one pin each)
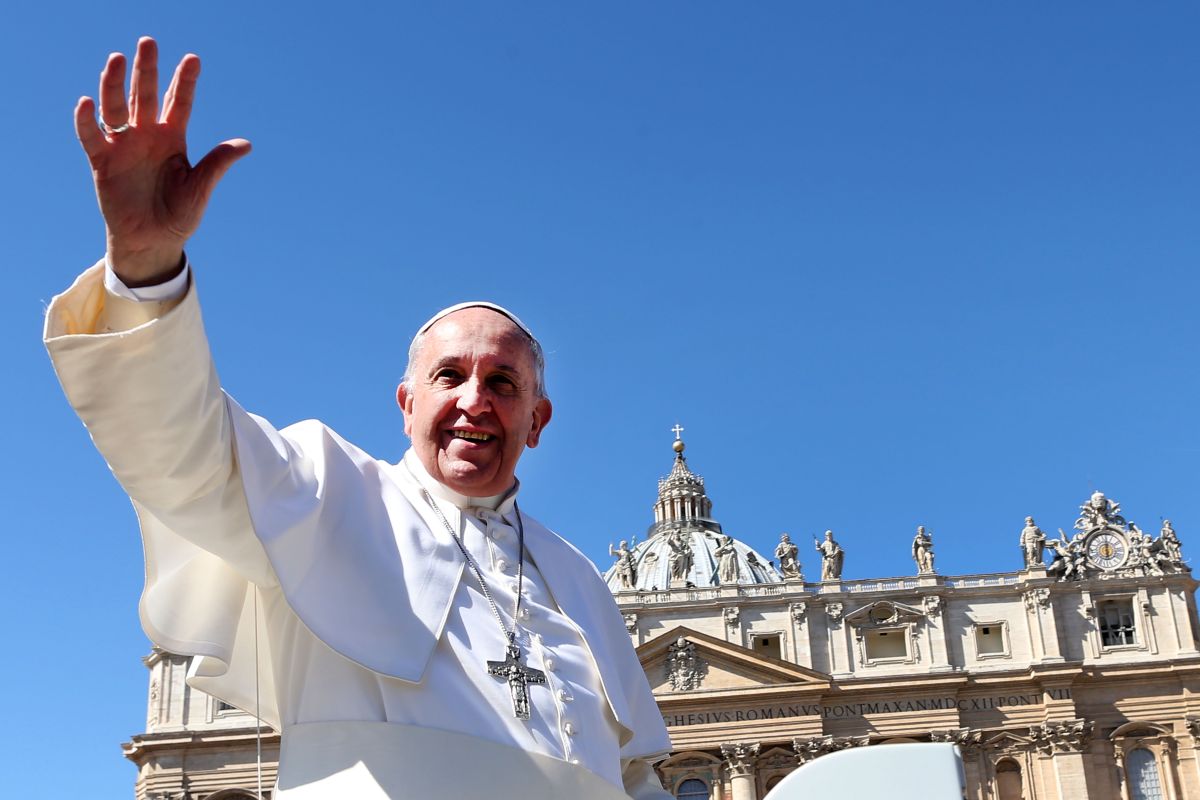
(808, 748)
(1193, 726)
(685, 669)
(155, 693)
(968, 739)
(933, 605)
(1105, 545)
(834, 610)
(797, 610)
(732, 615)
(1036, 598)
(631, 621)
(1070, 735)
(740, 757)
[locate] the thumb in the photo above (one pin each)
(213, 166)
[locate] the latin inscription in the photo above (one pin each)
(849, 710)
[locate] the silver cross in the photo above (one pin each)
(519, 677)
(678, 429)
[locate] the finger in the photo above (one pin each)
(113, 111)
(85, 128)
(143, 84)
(177, 105)
(214, 165)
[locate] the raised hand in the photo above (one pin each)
(151, 197)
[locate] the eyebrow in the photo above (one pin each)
(453, 361)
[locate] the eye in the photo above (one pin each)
(503, 384)
(447, 375)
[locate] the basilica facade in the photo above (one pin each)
(1074, 675)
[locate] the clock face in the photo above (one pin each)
(1107, 550)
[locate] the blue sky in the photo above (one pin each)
(889, 264)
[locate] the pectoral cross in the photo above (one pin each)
(519, 677)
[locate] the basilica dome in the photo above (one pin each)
(685, 547)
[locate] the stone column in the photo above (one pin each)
(1044, 629)
(938, 630)
(969, 741)
(739, 761)
(802, 655)
(1065, 742)
(837, 639)
(733, 624)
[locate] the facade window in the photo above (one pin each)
(989, 639)
(1117, 627)
(887, 644)
(1143, 775)
(692, 789)
(768, 644)
(223, 707)
(1008, 780)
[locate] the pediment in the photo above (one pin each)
(681, 660)
(884, 612)
(1005, 739)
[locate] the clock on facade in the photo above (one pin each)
(1107, 550)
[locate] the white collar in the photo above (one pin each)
(500, 503)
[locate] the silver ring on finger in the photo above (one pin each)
(113, 130)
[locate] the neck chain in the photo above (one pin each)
(518, 676)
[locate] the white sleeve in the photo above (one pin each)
(172, 289)
(140, 376)
(641, 781)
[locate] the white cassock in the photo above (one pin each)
(373, 637)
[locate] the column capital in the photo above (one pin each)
(740, 757)
(1071, 735)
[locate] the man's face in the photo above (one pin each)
(472, 405)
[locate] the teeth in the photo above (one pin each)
(472, 435)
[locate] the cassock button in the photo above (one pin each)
(575, 761)
(513, 586)
(550, 663)
(569, 728)
(524, 614)
(501, 565)
(565, 696)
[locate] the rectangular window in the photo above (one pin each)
(889, 644)
(989, 639)
(768, 644)
(1117, 623)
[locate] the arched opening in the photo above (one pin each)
(1008, 780)
(773, 782)
(692, 789)
(1142, 772)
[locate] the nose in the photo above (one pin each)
(474, 397)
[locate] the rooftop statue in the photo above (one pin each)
(626, 569)
(1033, 544)
(922, 551)
(832, 557)
(788, 553)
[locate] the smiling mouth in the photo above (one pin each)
(472, 436)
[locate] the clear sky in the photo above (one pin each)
(889, 264)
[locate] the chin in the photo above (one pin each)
(471, 480)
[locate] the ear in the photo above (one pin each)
(541, 418)
(405, 400)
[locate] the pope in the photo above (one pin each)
(394, 621)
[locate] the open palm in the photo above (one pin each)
(151, 197)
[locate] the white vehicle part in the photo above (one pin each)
(909, 771)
